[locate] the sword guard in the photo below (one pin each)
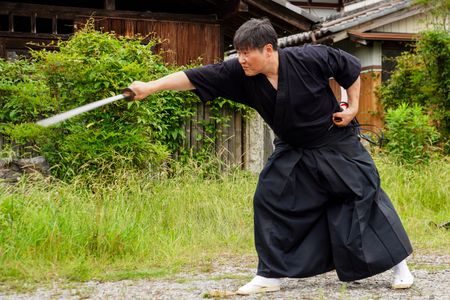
(128, 93)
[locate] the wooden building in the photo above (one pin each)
(372, 30)
(189, 28)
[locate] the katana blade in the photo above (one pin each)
(128, 94)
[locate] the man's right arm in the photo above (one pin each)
(174, 82)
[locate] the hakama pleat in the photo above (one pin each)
(321, 209)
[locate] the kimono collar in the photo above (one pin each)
(282, 91)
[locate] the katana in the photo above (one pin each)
(126, 94)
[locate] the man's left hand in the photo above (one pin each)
(343, 118)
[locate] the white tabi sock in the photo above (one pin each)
(260, 284)
(402, 276)
(264, 281)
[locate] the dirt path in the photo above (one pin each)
(432, 281)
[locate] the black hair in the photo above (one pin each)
(255, 34)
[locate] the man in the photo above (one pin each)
(318, 205)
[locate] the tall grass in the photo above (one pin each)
(421, 195)
(136, 226)
(134, 223)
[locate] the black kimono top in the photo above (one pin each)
(300, 111)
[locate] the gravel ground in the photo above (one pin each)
(432, 281)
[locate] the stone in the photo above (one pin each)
(31, 165)
(9, 176)
(12, 170)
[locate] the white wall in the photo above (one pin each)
(369, 55)
(412, 24)
(320, 12)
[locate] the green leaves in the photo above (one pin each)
(90, 66)
(409, 133)
(93, 65)
(423, 78)
(21, 92)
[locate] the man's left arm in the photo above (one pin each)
(344, 117)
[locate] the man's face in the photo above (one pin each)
(253, 61)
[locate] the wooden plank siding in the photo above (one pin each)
(370, 108)
(412, 24)
(181, 42)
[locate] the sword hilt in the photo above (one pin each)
(128, 94)
(342, 106)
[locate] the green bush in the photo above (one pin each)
(92, 65)
(409, 133)
(423, 78)
(22, 89)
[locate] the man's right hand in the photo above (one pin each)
(141, 89)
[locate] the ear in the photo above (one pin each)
(268, 49)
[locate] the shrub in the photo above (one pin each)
(22, 89)
(423, 78)
(409, 133)
(92, 65)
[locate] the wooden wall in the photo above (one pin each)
(187, 37)
(230, 143)
(413, 24)
(370, 108)
(182, 42)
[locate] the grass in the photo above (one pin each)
(421, 195)
(139, 227)
(132, 227)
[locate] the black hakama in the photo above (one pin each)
(321, 209)
(318, 205)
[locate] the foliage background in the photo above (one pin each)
(419, 89)
(90, 66)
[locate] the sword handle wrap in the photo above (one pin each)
(129, 94)
(342, 106)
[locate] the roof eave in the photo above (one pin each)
(279, 9)
(298, 10)
(337, 33)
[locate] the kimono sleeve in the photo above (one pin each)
(218, 80)
(343, 67)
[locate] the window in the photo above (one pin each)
(22, 24)
(4, 23)
(73, 3)
(390, 51)
(44, 25)
(64, 26)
